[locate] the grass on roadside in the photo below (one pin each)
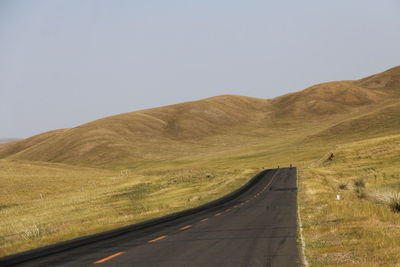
(362, 228)
(42, 203)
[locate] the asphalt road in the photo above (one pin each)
(259, 228)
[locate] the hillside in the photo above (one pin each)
(327, 99)
(190, 128)
(20, 145)
(135, 135)
(135, 166)
(389, 79)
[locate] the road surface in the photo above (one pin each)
(259, 228)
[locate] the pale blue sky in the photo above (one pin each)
(64, 63)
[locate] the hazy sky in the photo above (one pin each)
(64, 63)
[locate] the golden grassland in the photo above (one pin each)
(363, 227)
(43, 203)
(135, 166)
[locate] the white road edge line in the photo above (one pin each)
(303, 244)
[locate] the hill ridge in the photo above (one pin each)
(388, 79)
(151, 134)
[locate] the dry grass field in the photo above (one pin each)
(43, 203)
(135, 166)
(363, 227)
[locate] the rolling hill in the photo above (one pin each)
(333, 109)
(135, 166)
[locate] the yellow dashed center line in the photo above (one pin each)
(158, 238)
(185, 227)
(109, 257)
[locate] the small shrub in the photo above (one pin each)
(394, 203)
(359, 186)
(359, 183)
(360, 192)
(343, 186)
